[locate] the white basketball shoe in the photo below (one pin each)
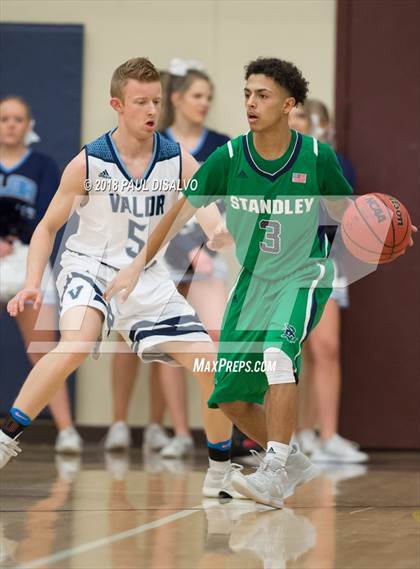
(273, 482)
(8, 448)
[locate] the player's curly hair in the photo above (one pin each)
(284, 73)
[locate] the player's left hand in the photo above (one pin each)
(221, 239)
(123, 283)
(413, 230)
(411, 242)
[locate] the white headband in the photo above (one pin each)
(31, 136)
(180, 67)
(317, 129)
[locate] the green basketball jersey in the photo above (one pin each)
(272, 206)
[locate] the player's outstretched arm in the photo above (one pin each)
(208, 217)
(170, 224)
(69, 193)
(336, 207)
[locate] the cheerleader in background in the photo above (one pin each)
(28, 181)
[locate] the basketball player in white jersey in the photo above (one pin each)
(120, 185)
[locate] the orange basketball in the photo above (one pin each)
(376, 228)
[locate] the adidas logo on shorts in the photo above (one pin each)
(104, 174)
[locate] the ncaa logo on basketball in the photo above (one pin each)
(377, 210)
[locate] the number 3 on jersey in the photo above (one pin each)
(133, 228)
(272, 241)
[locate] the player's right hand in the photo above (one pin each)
(17, 303)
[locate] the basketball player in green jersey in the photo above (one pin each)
(272, 181)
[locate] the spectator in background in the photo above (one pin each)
(321, 383)
(28, 182)
(198, 272)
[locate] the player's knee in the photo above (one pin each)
(326, 349)
(278, 367)
(235, 410)
(68, 359)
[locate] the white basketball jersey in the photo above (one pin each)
(119, 213)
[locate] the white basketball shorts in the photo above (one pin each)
(154, 312)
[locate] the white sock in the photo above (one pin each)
(277, 450)
(218, 465)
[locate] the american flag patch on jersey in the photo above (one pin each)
(299, 178)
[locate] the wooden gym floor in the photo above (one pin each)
(131, 512)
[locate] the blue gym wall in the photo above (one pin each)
(43, 64)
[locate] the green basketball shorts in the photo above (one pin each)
(263, 314)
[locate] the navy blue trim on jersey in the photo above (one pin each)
(98, 291)
(94, 258)
(167, 148)
(99, 149)
(107, 265)
(118, 161)
(200, 143)
(17, 164)
(180, 165)
(26, 190)
(87, 162)
(209, 141)
(165, 325)
(66, 286)
(167, 331)
(314, 309)
(110, 318)
(326, 232)
(173, 321)
(275, 175)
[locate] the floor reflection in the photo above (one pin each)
(274, 537)
(41, 518)
(321, 526)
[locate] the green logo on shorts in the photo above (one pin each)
(289, 332)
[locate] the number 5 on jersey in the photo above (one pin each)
(133, 229)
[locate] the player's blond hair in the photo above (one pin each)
(138, 68)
